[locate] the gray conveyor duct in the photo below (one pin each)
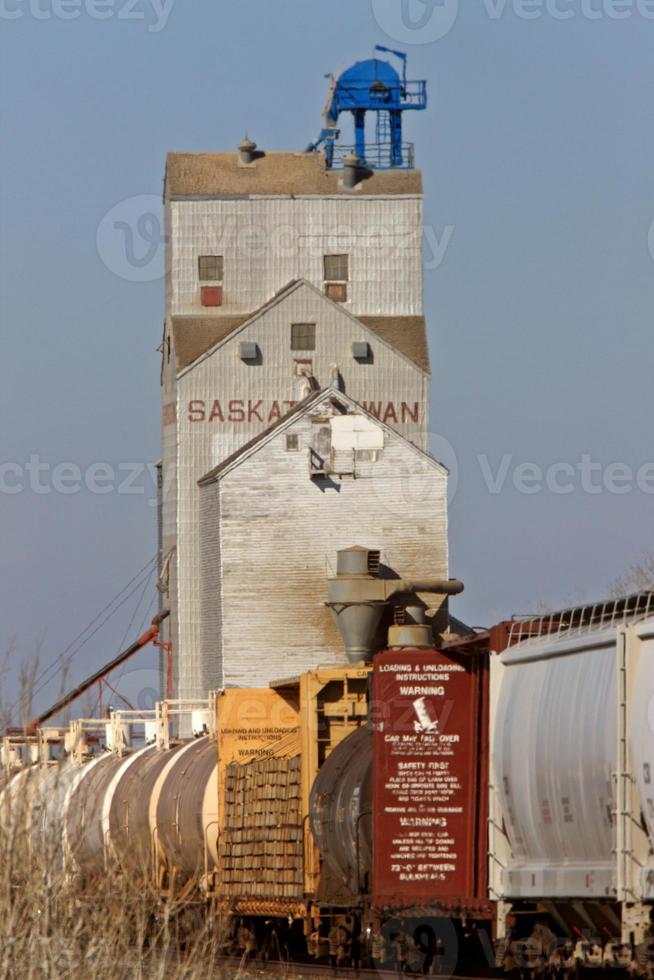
(358, 598)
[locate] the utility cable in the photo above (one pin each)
(46, 675)
(129, 627)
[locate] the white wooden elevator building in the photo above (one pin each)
(282, 282)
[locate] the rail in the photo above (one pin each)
(236, 966)
(405, 95)
(582, 619)
(378, 156)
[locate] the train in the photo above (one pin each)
(485, 805)
(341, 769)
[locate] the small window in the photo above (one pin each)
(367, 455)
(210, 268)
(337, 268)
(303, 336)
(337, 291)
(211, 295)
(292, 443)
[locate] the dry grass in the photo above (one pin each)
(53, 926)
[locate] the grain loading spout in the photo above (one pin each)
(358, 598)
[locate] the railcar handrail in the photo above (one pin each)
(584, 618)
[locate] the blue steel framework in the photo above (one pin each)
(372, 86)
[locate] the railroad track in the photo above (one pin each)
(237, 968)
(233, 968)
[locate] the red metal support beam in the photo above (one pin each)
(151, 636)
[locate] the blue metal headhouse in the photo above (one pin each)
(372, 86)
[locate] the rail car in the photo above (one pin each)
(353, 815)
(481, 803)
(320, 807)
(571, 810)
(265, 818)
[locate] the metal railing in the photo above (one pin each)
(404, 95)
(119, 733)
(581, 619)
(379, 156)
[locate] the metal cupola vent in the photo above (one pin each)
(371, 86)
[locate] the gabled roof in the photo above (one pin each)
(303, 408)
(289, 174)
(408, 334)
(193, 336)
(196, 337)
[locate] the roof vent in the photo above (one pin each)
(248, 350)
(357, 561)
(374, 558)
(246, 150)
(360, 350)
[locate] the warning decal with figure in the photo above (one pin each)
(425, 718)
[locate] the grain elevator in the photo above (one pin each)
(290, 274)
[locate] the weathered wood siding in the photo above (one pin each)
(169, 443)
(202, 666)
(228, 388)
(267, 242)
(279, 534)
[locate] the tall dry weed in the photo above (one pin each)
(54, 925)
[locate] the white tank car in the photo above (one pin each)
(572, 776)
(152, 805)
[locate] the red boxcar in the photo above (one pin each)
(430, 779)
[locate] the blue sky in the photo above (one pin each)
(538, 167)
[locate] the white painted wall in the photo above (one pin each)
(267, 242)
(203, 442)
(269, 537)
